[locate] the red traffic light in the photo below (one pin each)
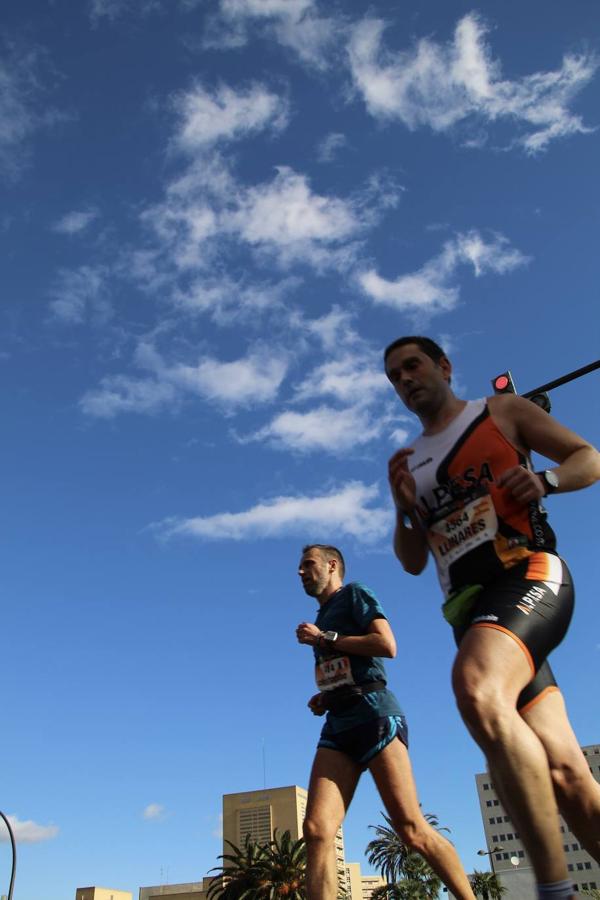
(503, 384)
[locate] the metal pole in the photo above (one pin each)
(14, 850)
(563, 380)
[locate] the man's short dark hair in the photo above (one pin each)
(433, 350)
(327, 550)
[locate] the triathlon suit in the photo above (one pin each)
(496, 558)
(363, 715)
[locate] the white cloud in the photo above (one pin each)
(245, 382)
(228, 302)
(292, 9)
(330, 146)
(438, 85)
(293, 23)
(154, 812)
(226, 115)
(28, 832)
(335, 329)
(430, 289)
(352, 379)
(326, 429)
(21, 112)
(282, 217)
(75, 222)
(345, 511)
(122, 394)
(81, 294)
(286, 217)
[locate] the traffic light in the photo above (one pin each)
(504, 384)
(542, 400)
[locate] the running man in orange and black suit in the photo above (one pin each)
(465, 491)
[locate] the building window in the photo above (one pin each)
(521, 854)
(588, 865)
(486, 787)
(570, 867)
(488, 802)
(498, 856)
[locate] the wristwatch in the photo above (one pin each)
(330, 636)
(550, 480)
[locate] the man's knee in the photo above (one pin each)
(415, 833)
(570, 776)
(319, 830)
(481, 704)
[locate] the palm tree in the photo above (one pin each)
(487, 884)
(283, 868)
(262, 871)
(408, 875)
(238, 877)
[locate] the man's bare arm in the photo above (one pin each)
(530, 428)
(410, 545)
(379, 640)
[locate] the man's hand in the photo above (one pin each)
(524, 485)
(315, 704)
(307, 633)
(402, 483)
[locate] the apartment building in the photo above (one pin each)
(507, 854)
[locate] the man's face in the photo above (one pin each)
(420, 383)
(315, 572)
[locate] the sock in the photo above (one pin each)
(557, 890)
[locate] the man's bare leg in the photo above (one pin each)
(577, 791)
(489, 673)
(332, 784)
(392, 773)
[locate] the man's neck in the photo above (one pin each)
(331, 589)
(437, 420)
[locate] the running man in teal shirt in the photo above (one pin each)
(365, 727)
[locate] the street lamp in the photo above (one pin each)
(497, 848)
(14, 854)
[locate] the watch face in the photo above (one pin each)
(330, 635)
(551, 477)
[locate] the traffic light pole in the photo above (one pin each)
(565, 378)
(504, 384)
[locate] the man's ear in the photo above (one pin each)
(446, 367)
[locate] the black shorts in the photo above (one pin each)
(365, 741)
(532, 603)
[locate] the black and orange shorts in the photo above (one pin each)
(532, 603)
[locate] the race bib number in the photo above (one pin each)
(333, 673)
(462, 530)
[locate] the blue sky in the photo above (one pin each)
(215, 216)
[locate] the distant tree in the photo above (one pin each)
(270, 871)
(283, 868)
(487, 884)
(238, 878)
(408, 875)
